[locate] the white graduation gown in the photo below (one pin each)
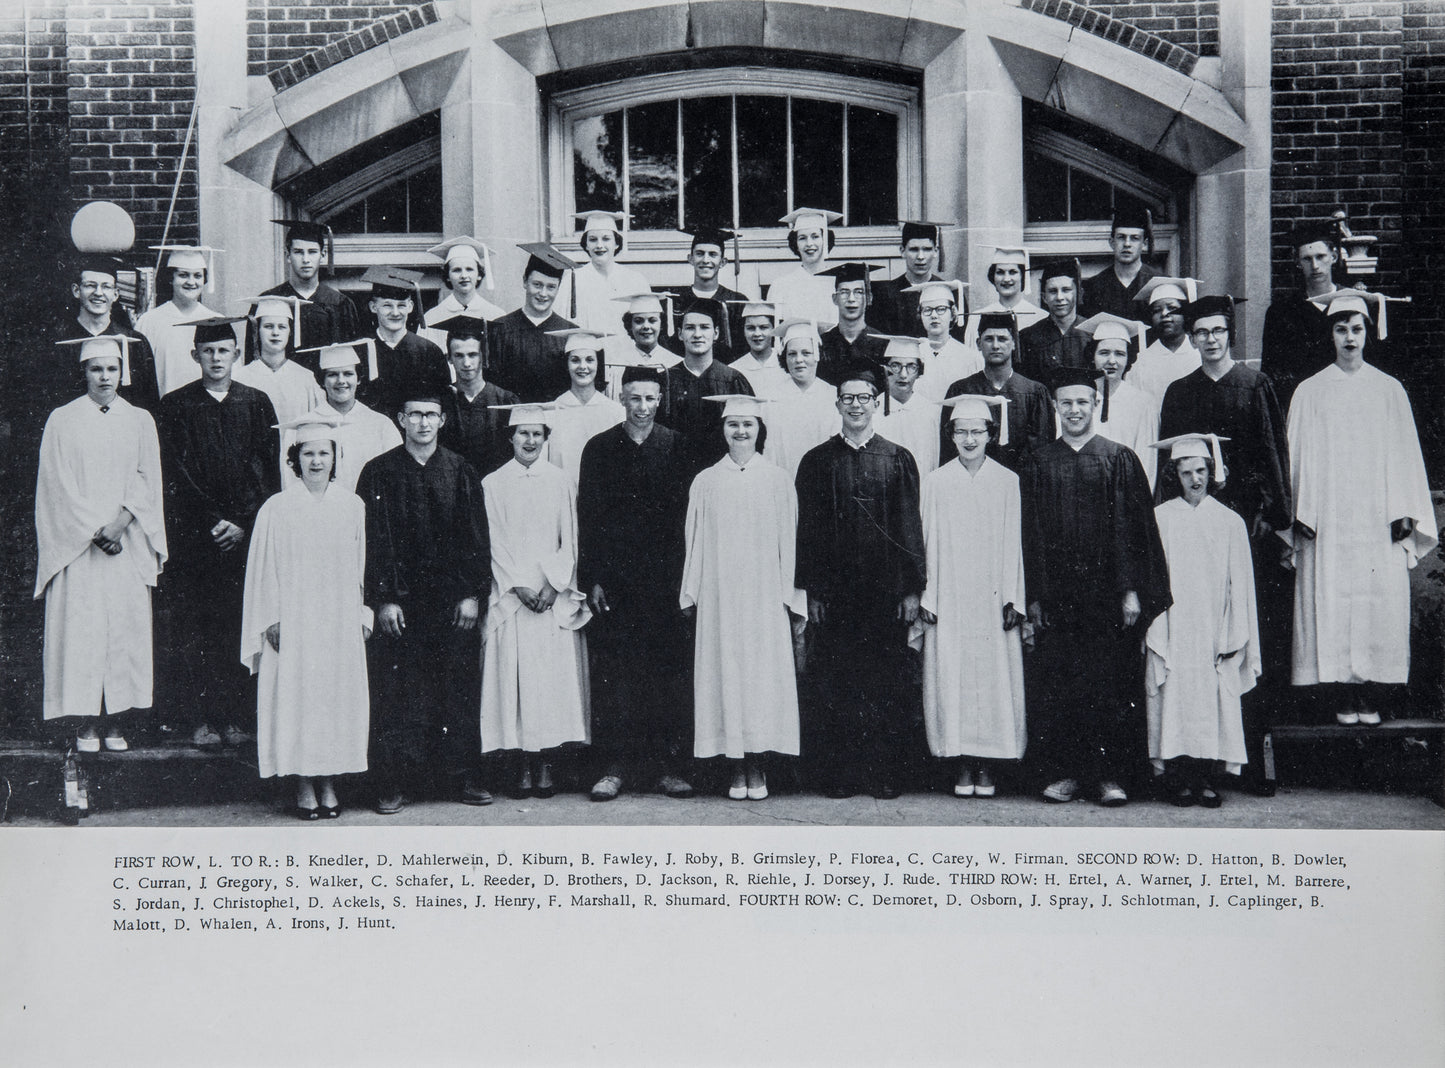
(574, 424)
(941, 369)
(534, 665)
(172, 344)
(363, 435)
(973, 670)
(1133, 421)
(800, 295)
(97, 608)
(798, 420)
(1193, 704)
(914, 425)
(1157, 368)
(449, 308)
(629, 355)
(1356, 466)
(741, 527)
(293, 389)
(304, 571)
(764, 376)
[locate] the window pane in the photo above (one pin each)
(707, 165)
(350, 220)
(872, 167)
(1123, 200)
(817, 154)
(386, 210)
(652, 165)
(1046, 186)
(762, 160)
(597, 162)
(424, 190)
(1092, 198)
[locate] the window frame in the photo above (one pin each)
(763, 243)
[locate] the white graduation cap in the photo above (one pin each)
(905, 347)
(1163, 287)
(1107, 325)
(953, 290)
(608, 221)
(793, 329)
(104, 345)
(1358, 300)
(1187, 446)
(755, 307)
(803, 218)
(649, 303)
(1011, 254)
(579, 338)
(276, 306)
(343, 354)
(466, 248)
(978, 406)
(190, 257)
(740, 404)
(310, 426)
(525, 413)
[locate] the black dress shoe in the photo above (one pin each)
(837, 791)
(307, 814)
(885, 791)
(329, 812)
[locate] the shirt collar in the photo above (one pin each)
(860, 446)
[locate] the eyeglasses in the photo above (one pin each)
(962, 433)
(860, 399)
(1217, 332)
(940, 310)
(423, 417)
(897, 368)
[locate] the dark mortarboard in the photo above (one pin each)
(925, 231)
(1131, 215)
(305, 230)
(1065, 266)
(710, 235)
(644, 372)
(392, 282)
(1210, 305)
(464, 326)
(998, 321)
(713, 309)
(548, 259)
(216, 328)
(1307, 233)
(849, 272)
(1060, 377)
(418, 387)
(97, 263)
(862, 372)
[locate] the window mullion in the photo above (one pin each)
(681, 192)
(789, 150)
(737, 201)
(626, 169)
(844, 206)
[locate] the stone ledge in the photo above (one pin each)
(1118, 31)
(368, 37)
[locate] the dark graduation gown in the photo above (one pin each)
(893, 311)
(1089, 536)
(1296, 344)
(1105, 293)
(838, 354)
(1030, 419)
(66, 379)
(698, 422)
(426, 549)
(730, 343)
(860, 552)
(411, 360)
(1042, 349)
(476, 432)
(631, 515)
(521, 357)
(329, 319)
(219, 461)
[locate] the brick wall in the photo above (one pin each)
(34, 119)
(1424, 163)
(131, 88)
(1191, 24)
(279, 31)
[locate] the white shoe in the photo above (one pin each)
(738, 791)
(984, 786)
(115, 743)
(1370, 719)
(87, 745)
(1347, 719)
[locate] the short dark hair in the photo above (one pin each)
(1208, 462)
(793, 241)
(293, 458)
(582, 239)
(546, 430)
(859, 374)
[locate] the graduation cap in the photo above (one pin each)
(645, 372)
(1214, 304)
(393, 283)
(466, 249)
(650, 303)
(1006, 255)
(319, 233)
(713, 309)
(710, 235)
(191, 257)
(1132, 215)
(310, 426)
(1187, 446)
(98, 263)
(547, 259)
(905, 347)
(464, 324)
(580, 339)
(1059, 267)
(803, 218)
(794, 329)
(749, 308)
(276, 306)
(997, 320)
(606, 221)
(525, 413)
(977, 406)
(343, 354)
(102, 346)
(852, 271)
(1161, 287)
(954, 291)
(1307, 233)
(1358, 300)
(920, 230)
(1106, 325)
(215, 328)
(740, 404)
